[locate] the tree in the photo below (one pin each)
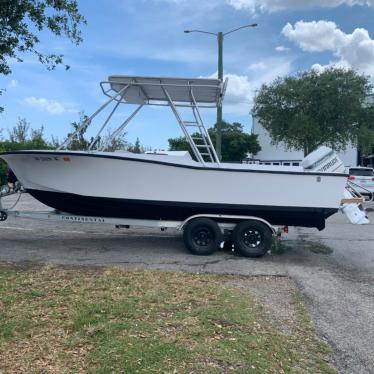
(116, 143)
(78, 142)
(20, 138)
(19, 133)
(313, 109)
(235, 142)
(136, 148)
(22, 20)
(23, 137)
(179, 144)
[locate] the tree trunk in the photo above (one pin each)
(306, 149)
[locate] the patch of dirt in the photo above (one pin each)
(277, 296)
(226, 367)
(317, 247)
(314, 246)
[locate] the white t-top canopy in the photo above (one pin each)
(148, 90)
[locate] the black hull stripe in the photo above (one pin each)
(340, 175)
(179, 211)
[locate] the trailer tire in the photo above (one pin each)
(202, 236)
(3, 216)
(252, 238)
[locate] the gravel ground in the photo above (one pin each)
(334, 269)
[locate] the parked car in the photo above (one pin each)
(362, 176)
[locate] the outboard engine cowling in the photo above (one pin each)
(323, 159)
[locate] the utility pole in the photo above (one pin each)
(219, 106)
(220, 36)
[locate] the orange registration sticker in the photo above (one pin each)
(66, 158)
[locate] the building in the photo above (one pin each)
(271, 154)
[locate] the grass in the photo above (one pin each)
(55, 320)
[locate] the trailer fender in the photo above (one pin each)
(229, 217)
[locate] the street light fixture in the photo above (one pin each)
(220, 35)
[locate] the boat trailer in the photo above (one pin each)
(203, 234)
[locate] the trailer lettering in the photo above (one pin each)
(83, 219)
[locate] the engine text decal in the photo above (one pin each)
(329, 164)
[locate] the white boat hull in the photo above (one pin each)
(142, 186)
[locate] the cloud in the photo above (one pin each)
(276, 67)
(336, 64)
(277, 5)
(315, 36)
(210, 4)
(239, 93)
(13, 83)
(257, 66)
(242, 88)
(281, 48)
(238, 90)
(159, 52)
(354, 50)
(50, 106)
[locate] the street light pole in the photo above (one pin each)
(219, 106)
(220, 36)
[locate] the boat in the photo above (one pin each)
(166, 186)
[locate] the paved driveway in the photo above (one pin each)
(334, 269)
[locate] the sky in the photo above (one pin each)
(145, 37)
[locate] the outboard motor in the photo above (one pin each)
(325, 160)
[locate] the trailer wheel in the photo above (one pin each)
(252, 238)
(202, 236)
(3, 216)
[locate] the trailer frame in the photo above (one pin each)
(57, 216)
(226, 223)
